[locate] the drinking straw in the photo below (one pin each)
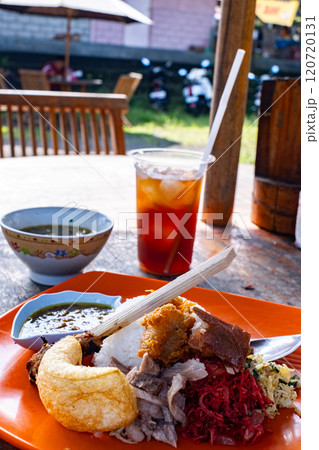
(222, 106)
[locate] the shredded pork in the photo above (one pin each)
(159, 400)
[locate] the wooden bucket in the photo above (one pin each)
(275, 205)
(278, 158)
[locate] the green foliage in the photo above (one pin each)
(4, 61)
(180, 128)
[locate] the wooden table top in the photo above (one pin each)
(267, 264)
(79, 82)
(82, 83)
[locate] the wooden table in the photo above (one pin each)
(66, 85)
(267, 263)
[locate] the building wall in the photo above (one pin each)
(105, 32)
(13, 25)
(181, 24)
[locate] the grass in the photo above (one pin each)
(174, 125)
(180, 128)
(249, 140)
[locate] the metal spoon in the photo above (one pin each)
(276, 347)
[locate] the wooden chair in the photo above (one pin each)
(46, 123)
(127, 84)
(3, 84)
(34, 79)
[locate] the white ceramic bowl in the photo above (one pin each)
(56, 258)
(45, 300)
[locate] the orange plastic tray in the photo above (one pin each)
(25, 423)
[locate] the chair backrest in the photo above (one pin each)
(3, 84)
(44, 123)
(34, 79)
(127, 84)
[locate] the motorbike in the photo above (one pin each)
(158, 93)
(198, 91)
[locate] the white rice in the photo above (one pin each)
(122, 345)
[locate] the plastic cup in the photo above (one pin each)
(168, 188)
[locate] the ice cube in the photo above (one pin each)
(148, 189)
(171, 189)
(187, 197)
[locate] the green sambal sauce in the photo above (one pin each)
(64, 318)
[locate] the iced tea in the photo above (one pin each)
(167, 205)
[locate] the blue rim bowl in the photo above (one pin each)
(45, 300)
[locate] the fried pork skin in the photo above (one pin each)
(166, 334)
(83, 398)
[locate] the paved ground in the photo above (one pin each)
(273, 259)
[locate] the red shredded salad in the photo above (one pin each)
(224, 408)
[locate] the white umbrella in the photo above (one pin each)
(91, 9)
